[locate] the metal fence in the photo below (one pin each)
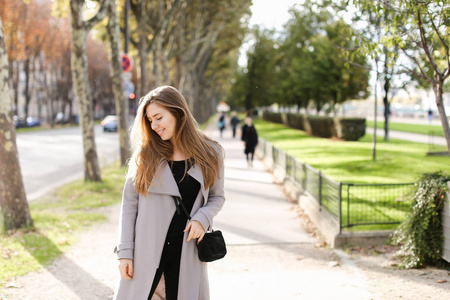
(368, 204)
(349, 204)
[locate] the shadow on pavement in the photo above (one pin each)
(66, 271)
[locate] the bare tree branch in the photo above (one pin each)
(422, 73)
(425, 43)
(164, 24)
(445, 46)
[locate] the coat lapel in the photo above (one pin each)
(197, 174)
(164, 183)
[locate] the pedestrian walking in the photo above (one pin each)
(221, 124)
(430, 116)
(234, 123)
(250, 138)
(172, 157)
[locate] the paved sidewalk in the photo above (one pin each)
(270, 255)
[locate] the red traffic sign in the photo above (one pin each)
(127, 62)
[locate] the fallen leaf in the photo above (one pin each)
(320, 245)
(442, 281)
(394, 265)
(333, 263)
(12, 285)
(62, 241)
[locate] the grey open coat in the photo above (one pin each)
(144, 222)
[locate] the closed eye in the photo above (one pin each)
(157, 119)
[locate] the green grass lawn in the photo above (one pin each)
(413, 128)
(58, 218)
(397, 161)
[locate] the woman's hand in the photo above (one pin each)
(126, 268)
(196, 231)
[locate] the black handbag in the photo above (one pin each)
(212, 247)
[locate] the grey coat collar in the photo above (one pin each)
(164, 183)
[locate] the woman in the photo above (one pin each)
(221, 124)
(171, 158)
(250, 139)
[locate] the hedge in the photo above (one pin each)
(349, 129)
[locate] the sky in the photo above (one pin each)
(270, 14)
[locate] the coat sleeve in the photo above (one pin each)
(127, 221)
(244, 133)
(216, 199)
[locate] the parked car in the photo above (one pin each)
(61, 118)
(109, 123)
(19, 122)
(33, 122)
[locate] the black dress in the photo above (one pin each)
(250, 137)
(171, 256)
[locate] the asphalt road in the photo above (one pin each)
(51, 158)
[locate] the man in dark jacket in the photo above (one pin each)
(234, 123)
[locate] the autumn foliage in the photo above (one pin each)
(38, 45)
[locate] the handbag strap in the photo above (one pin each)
(179, 203)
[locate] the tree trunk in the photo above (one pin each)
(165, 62)
(143, 58)
(79, 66)
(387, 107)
(438, 91)
(15, 80)
(142, 18)
(120, 97)
(27, 85)
(14, 209)
(199, 87)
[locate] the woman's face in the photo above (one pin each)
(161, 121)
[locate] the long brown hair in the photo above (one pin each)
(151, 152)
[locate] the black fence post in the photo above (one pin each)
(274, 160)
(348, 203)
(304, 177)
(340, 207)
(320, 188)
